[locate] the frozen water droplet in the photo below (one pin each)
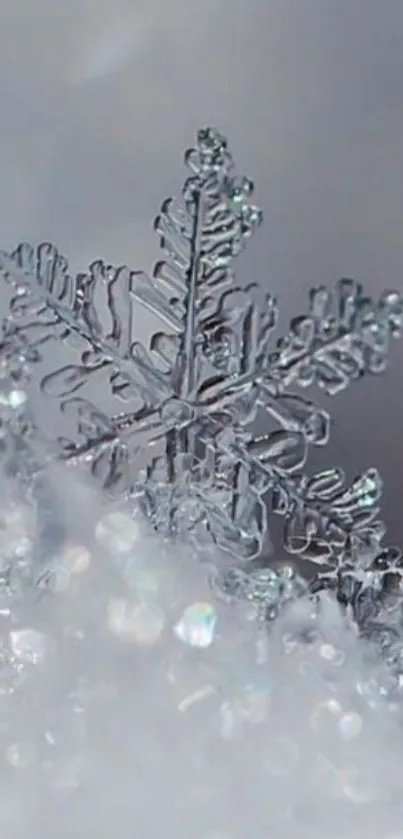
(17, 399)
(350, 725)
(197, 625)
(331, 654)
(28, 645)
(17, 528)
(142, 623)
(18, 755)
(23, 547)
(324, 713)
(117, 532)
(76, 558)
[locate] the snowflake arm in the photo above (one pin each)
(343, 337)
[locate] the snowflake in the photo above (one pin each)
(172, 424)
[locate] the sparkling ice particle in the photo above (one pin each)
(197, 625)
(142, 623)
(350, 725)
(28, 645)
(117, 532)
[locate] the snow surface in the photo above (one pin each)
(113, 724)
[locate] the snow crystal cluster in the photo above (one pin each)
(133, 701)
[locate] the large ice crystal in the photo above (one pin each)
(171, 425)
(129, 673)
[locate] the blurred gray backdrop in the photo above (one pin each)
(99, 98)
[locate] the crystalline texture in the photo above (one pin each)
(184, 444)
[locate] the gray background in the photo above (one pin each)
(98, 99)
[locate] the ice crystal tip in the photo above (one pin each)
(173, 422)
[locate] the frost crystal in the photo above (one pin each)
(172, 424)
